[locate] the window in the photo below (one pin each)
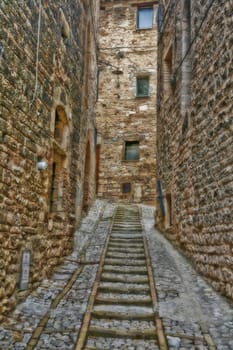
(126, 187)
(186, 53)
(168, 214)
(131, 150)
(87, 69)
(142, 86)
(145, 17)
(60, 146)
(56, 190)
(61, 129)
(167, 72)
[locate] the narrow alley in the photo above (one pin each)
(188, 314)
(116, 175)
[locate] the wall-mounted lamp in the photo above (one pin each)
(41, 164)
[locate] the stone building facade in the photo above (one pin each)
(48, 70)
(195, 134)
(126, 108)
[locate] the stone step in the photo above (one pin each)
(122, 333)
(121, 240)
(128, 223)
(124, 288)
(122, 324)
(122, 218)
(126, 214)
(125, 245)
(120, 312)
(124, 278)
(126, 219)
(123, 262)
(126, 230)
(125, 249)
(125, 255)
(107, 343)
(126, 236)
(124, 300)
(125, 296)
(140, 270)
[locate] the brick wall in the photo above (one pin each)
(126, 53)
(195, 137)
(43, 117)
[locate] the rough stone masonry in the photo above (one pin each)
(47, 122)
(126, 117)
(195, 134)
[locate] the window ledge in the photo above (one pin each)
(142, 29)
(141, 97)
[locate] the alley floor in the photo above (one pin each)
(194, 316)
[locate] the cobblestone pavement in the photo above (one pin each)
(51, 316)
(191, 311)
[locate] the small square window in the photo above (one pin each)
(142, 86)
(126, 187)
(131, 150)
(145, 17)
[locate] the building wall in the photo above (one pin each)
(195, 136)
(44, 115)
(125, 53)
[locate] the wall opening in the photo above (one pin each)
(56, 195)
(61, 130)
(60, 145)
(142, 86)
(126, 187)
(168, 213)
(87, 65)
(167, 72)
(145, 17)
(186, 68)
(131, 150)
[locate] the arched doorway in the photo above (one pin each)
(86, 183)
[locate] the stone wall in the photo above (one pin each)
(47, 64)
(195, 135)
(126, 53)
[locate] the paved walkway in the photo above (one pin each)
(50, 318)
(188, 305)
